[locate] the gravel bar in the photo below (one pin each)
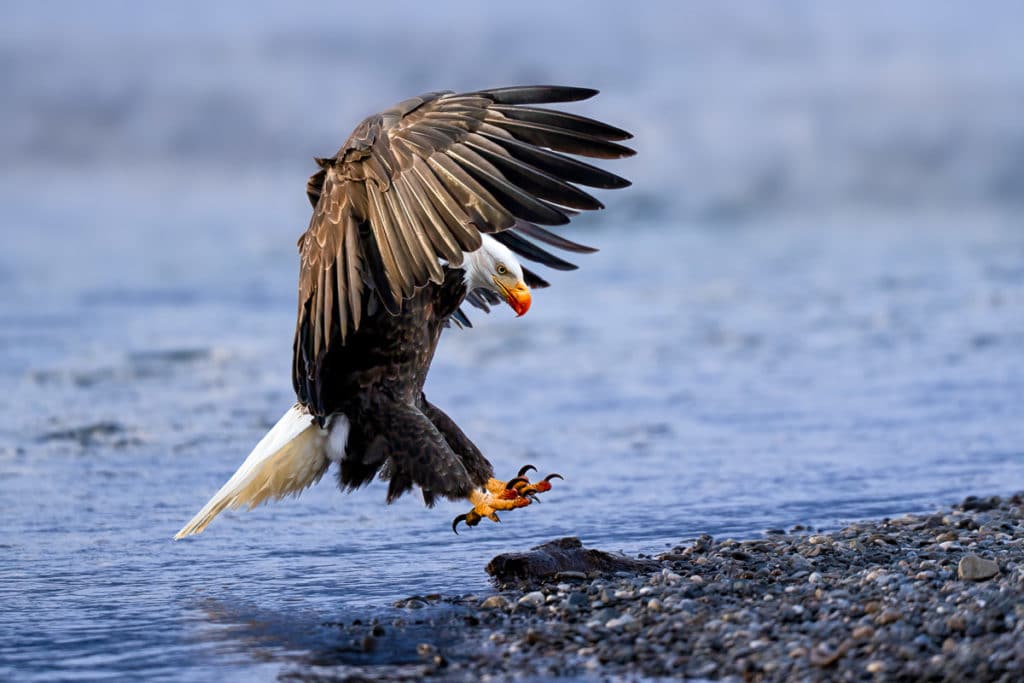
(924, 597)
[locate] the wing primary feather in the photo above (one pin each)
(379, 228)
(459, 224)
(460, 317)
(479, 298)
(561, 140)
(534, 281)
(531, 251)
(564, 120)
(558, 165)
(551, 238)
(472, 195)
(396, 236)
(537, 94)
(318, 323)
(353, 269)
(569, 212)
(341, 273)
(330, 289)
(518, 202)
(534, 180)
(433, 224)
(377, 274)
(404, 235)
(340, 290)
(417, 236)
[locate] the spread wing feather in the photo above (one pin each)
(421, 181)
(551, 238)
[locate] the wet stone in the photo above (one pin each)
(494, 602)
(974, 568)
(577, 599)
(533, 599)
(619, 622)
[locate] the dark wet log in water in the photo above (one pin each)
(562, 556)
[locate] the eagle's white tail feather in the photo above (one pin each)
(291, 457)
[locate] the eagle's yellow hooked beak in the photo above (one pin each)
(518, 298)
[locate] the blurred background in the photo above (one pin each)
(808, 309)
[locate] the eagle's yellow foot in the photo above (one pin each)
(504, 495)
(486, 504)
(525, 488)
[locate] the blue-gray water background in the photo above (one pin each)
(808, 309)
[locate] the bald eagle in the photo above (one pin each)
(424, 208)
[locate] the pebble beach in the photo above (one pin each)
(923, 597)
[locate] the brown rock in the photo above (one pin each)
(494, 602)
(956, 622)
(823, 656)
(887, 617)
(863, 633)
(974, 568)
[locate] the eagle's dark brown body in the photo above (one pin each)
(376, 381)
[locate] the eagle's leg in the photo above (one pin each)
(486, 504)
(477, 467)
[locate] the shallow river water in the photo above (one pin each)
(726, 364)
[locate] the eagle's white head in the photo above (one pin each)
(494, 267)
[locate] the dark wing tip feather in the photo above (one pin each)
(461, 319)
(530, 251)
(565, 167)
(562, 119)
(562, 139)
(534, 281)
(538, 94)
(626, 152)
(551, 238)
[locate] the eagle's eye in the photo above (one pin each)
(501, 269)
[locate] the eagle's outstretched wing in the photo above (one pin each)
(419, 182)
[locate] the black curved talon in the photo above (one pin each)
(511, 483)
(471, 518)
(524, 469)
(553, 476)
